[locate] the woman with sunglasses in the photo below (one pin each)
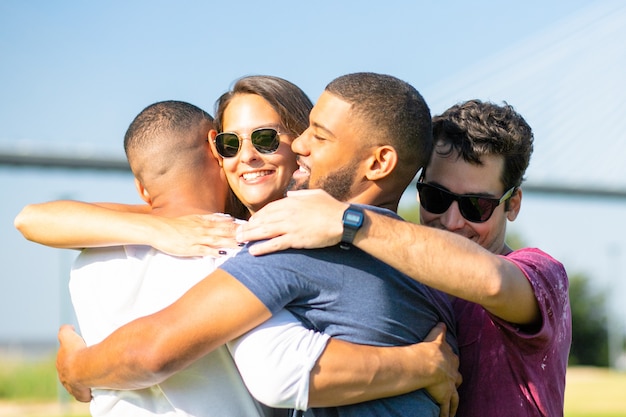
(512, 306)
(256, 121)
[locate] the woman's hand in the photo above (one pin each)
(195, 235)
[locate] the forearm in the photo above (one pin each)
(369, 373)
(122, 361)
(74, 224)
(450, 263)
(151, 348)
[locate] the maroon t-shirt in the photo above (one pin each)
(513, 372)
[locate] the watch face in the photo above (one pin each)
(353, 218)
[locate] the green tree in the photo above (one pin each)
(589, 326)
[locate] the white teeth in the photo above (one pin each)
(302, 169)
(254, 175)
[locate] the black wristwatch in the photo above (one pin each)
(352, 222)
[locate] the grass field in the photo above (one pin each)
(31, 390)
(595, 392)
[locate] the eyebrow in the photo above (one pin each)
(322, 127)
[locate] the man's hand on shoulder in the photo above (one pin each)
(305, 219)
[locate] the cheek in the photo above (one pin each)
(427, 218)
(285, 159)
(230, 169)
(229, 165)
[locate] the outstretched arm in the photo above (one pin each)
(74, 224)
(69, 224)
(437, 258)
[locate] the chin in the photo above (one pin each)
(298, 184)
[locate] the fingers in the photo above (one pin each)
(437, 333)
(454, 404)
(444, 410)
(269, 246)
(263, 225)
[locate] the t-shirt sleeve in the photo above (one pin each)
(549, 281)
(272, 278)
(275, 360)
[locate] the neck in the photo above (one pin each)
(177, 205)
(373, 197)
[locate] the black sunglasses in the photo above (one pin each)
(264, 140)
(474, 208)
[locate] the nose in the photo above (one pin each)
(247, 153)
(299, 145)
(452, 219)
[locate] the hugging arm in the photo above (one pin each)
(146, 351)
(69, 224)
(313, 219)
(72, 224)
(285, 365)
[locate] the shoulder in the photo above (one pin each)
(550, 284)
(533, 260)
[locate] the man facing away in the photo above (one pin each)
(175, 174)
(368, 136)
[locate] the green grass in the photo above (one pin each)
(31, 389)
(595, 392)
(36, 380)
(590, 392)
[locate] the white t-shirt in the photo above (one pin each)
(112, 286)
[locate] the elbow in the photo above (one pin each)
(493, 293)
(493, 290)
(21, 222)
(151, 364)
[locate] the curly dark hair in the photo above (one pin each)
(475, 128)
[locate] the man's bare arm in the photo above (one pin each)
(347, 373)
(150, 349)
(437, 258)
(71, 224)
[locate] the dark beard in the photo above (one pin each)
(338, 183)
(293, 185)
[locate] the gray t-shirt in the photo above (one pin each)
(352, 296)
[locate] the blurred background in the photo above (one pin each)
(74, 74)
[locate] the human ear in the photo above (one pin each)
(212, 135)
(515, 204)
(143, 193)
(383, 161)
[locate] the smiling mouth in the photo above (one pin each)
(249, 176)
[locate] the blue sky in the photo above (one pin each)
(76, 72)
(73, 74)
